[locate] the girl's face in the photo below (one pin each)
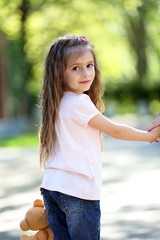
(80, 72)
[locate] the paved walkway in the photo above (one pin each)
(130, 193)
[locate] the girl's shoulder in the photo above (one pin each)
(72, 101)
(75, 97)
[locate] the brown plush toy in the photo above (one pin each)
(36, 220)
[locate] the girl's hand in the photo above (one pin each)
(155, 140)
(155, 131)
(155, 123)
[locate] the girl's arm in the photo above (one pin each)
(121, 131)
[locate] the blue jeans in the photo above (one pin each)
(72, 218)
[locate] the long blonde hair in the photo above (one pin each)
(54, 87)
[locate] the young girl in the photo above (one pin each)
(70, 145)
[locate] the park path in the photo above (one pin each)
(130, 193)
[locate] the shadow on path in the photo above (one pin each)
(130, 200)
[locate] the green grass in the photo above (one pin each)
(22, 140)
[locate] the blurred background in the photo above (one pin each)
(126, 38)
(125, 34)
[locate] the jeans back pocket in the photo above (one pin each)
(70, 204)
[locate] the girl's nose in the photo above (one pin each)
(85, 72)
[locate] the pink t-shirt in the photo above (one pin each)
(74, 167)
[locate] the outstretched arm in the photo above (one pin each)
(121, 131)
(155, 123)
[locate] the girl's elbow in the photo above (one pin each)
(114, 134)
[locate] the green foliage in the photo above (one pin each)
(114, 26)
(23, 140)
(154, 107)
(10, 18)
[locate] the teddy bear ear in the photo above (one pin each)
(24, 226)
(38, 203)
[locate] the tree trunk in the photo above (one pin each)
(137, 39)
(24, 65)
(4, 101)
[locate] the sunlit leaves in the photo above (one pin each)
(107, 23)
(133, 4)
(10, 18)
(154, 107)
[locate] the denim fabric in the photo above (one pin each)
(72, 218)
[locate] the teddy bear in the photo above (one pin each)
(36, 220)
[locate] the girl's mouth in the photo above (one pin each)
(83, 82)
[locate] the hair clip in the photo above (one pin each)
(84, 39)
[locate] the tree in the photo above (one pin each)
(137, 38)
(4, 77)
(126, 46)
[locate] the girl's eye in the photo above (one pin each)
(75, 69)
(90, 65)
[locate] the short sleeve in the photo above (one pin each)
(84, 110)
